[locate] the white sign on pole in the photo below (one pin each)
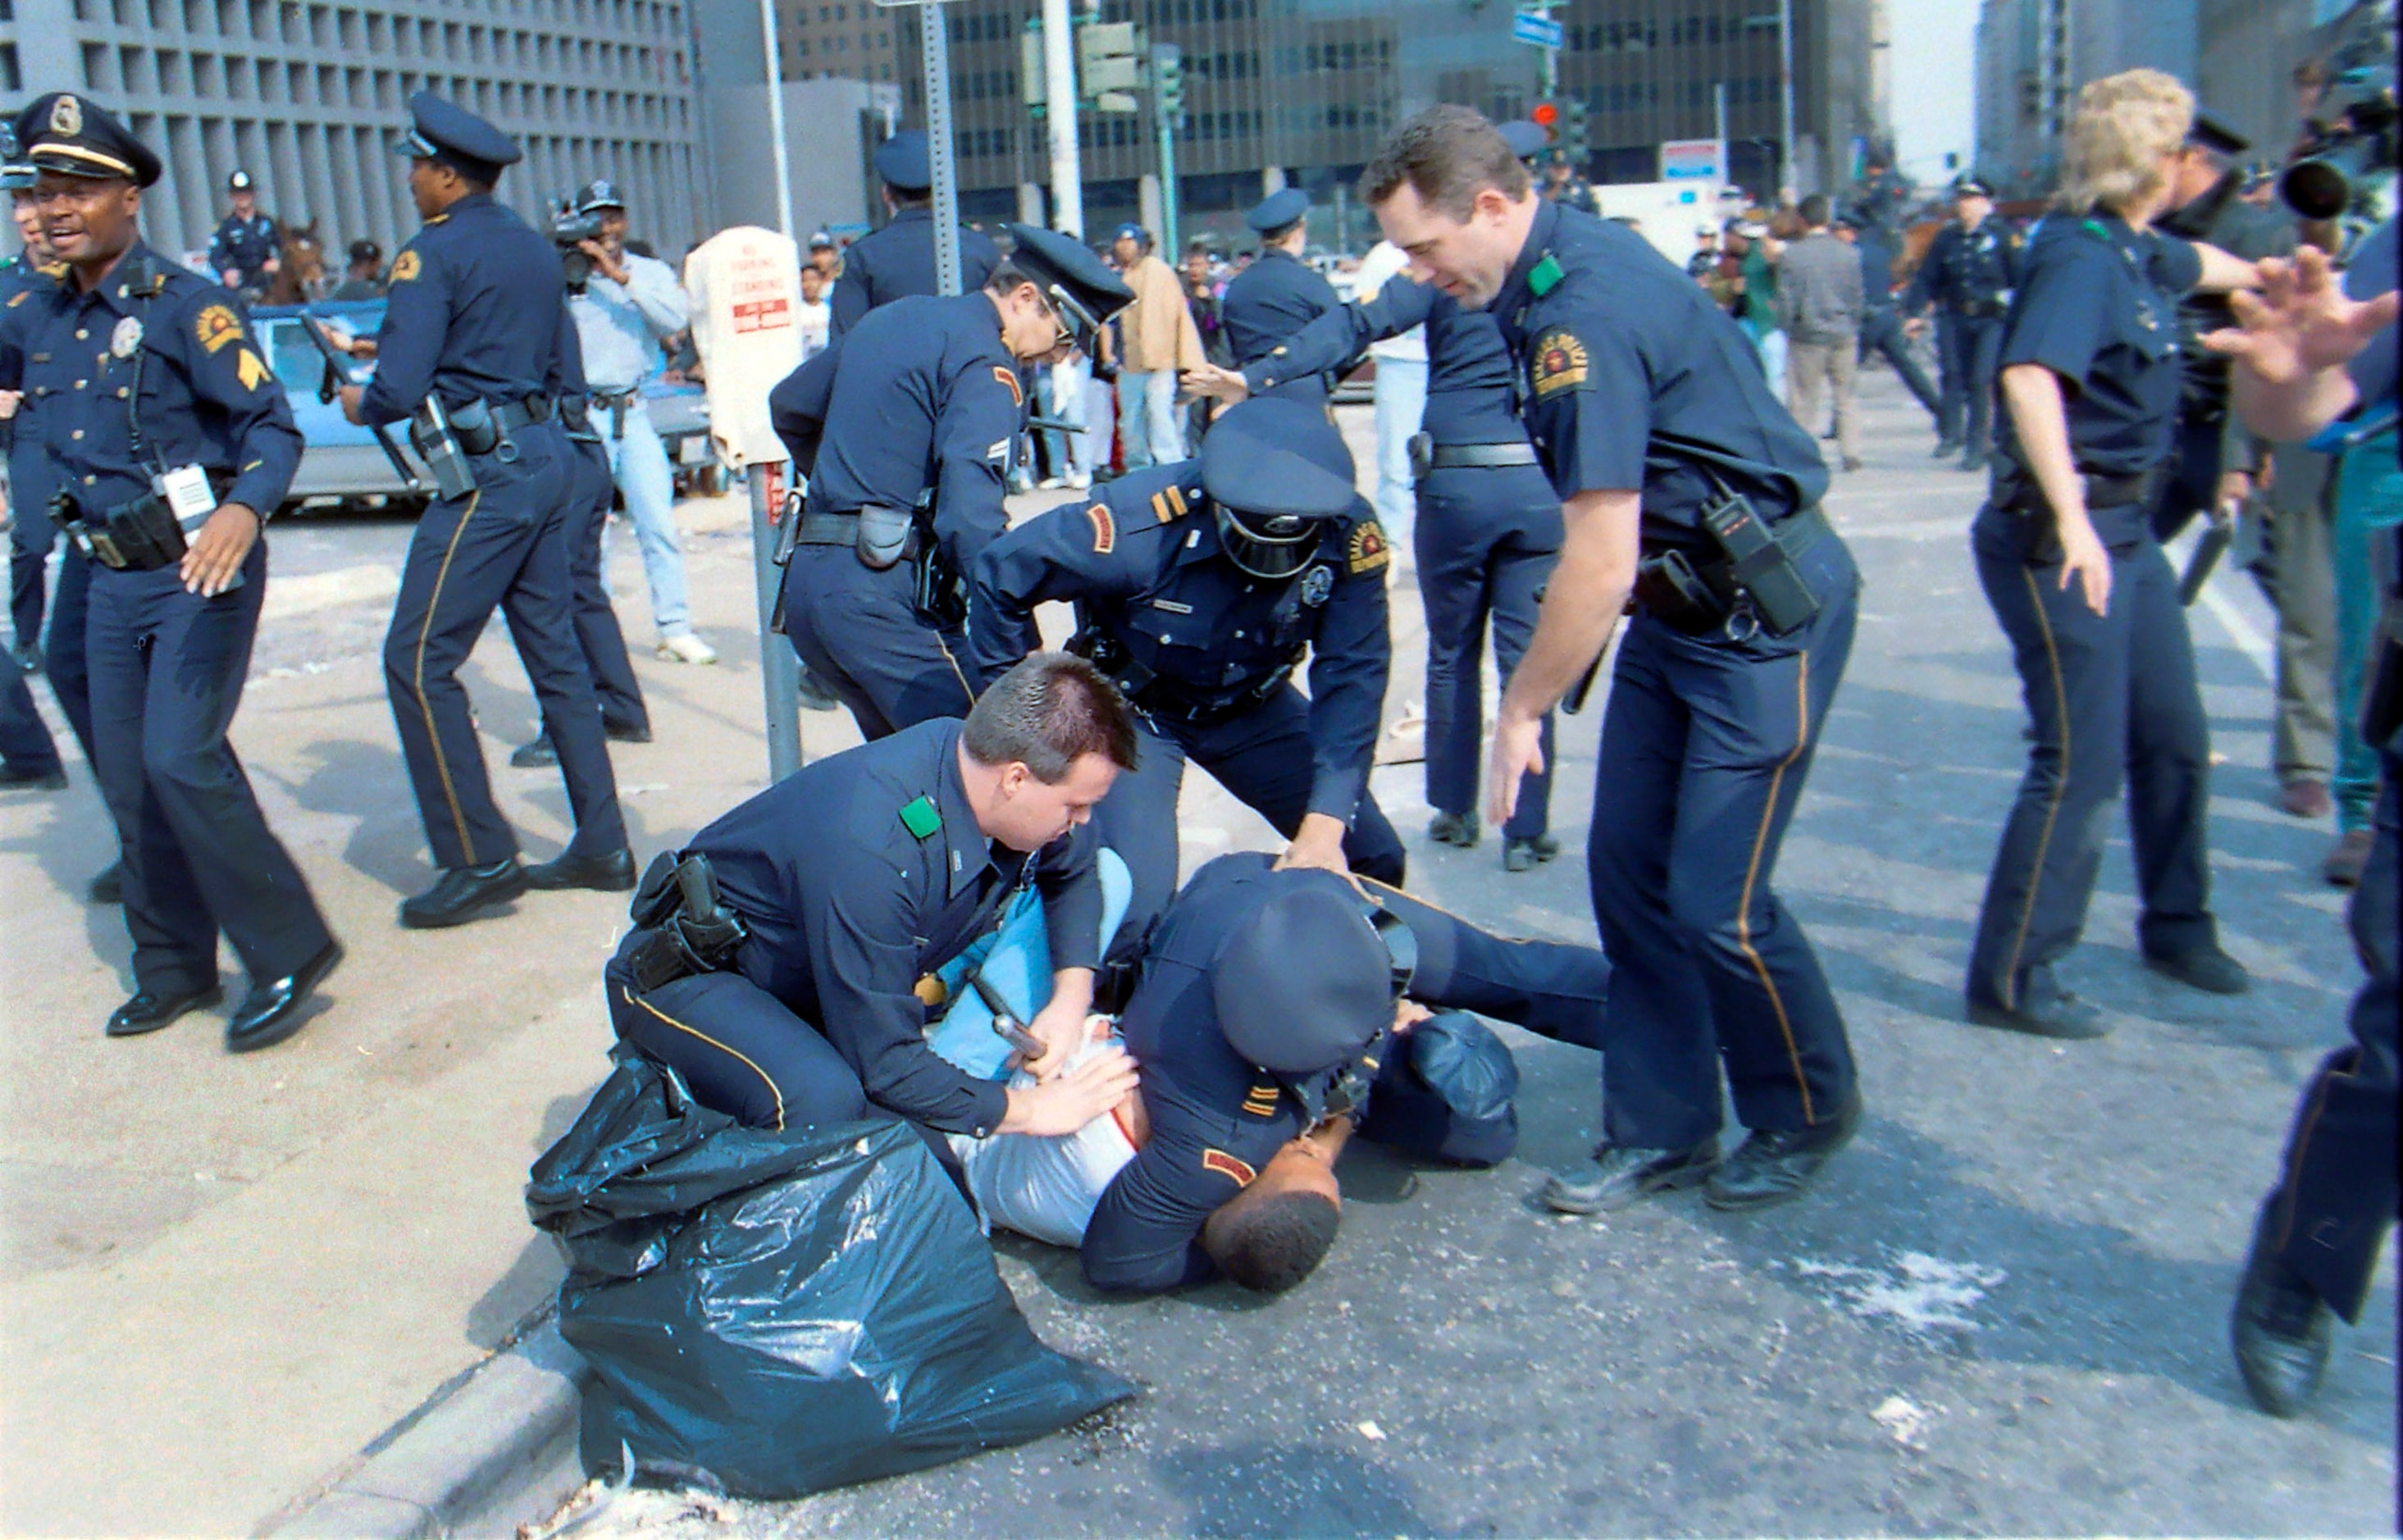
(744, 282)
(1693, 160)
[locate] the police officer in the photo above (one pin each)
(244, 250)
(898, 260)
(1279, 294)
(2066, 555)
(905, 427)
(1565, 184)
(1267, 1015)
(1882, 330)
(1199, 587)
(1685, 482)
(1968, 273)
(468, 355)
(173, 443)
(789, 995)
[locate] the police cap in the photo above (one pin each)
(2213, 132)
(240, 182)
(1078, 284)
(445, 132)
(903, 161)
(1459, 1059)
(1304, 985)
(366, 251)
(65, 134)
(1526, 139)
(1278, 457)
(1279, 211)
(601, 193)
(821, 241)
(1971, 185)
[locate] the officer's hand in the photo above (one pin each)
(10, 401)
(216, 554)
(1060, 1026)
(349, 396)
(1913, 326)
(1408, 1013)
(1074, 1100)
(2228, 498)
(1318, 843)
(1209, 379)
(2084, 561)
(232, 278)
(1518, 750)
(272, 265)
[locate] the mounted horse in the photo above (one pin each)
(299, 274)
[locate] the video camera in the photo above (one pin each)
(570, 227)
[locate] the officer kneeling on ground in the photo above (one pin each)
(1198, 588)
(775, 961)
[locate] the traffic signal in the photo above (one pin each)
(1109, 65)
(1573, 135)
(1547, 116)
(1167, 82)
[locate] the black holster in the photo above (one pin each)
(682, 926)
(1674, 593)
(139, 535)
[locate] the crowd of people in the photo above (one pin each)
(1602, 449)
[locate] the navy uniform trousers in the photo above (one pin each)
(25, 744)
(2328, 1214)
(1485, 540)
(1705, 743)
(598, 635)
(1262, 756)
(503, 544)
(2110, 696)
(1969, 353)
(168, 669)
(31, 534)
(1881, 335)
(774, 1069)
(859, 633)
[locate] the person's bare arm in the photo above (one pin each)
(2223, 273)
(1582, 602)
(2032, 392)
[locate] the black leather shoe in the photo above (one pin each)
(13, 777)
(1776, 1166)
(816, 697)
(461, 894)
(618, 733)
(1525, 854)
(1947, 446)
(271, 1012)
(150, 1010)
(2281, 1330)
(1973, 460)
(2045, 1010)
(28, 656)
(535, 756)
(109, 886)
(1623, 1173)
(610, 873)
(1454, 828)
(2206, 968)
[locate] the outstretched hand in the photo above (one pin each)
(2300, 322)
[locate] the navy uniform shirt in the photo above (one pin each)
(207, 397)
(1575, 193)
(2098, 306)
(1967, 270)
(244, 246)
(849, 904)
(475, 311)
(29, 482)
(921, 394)
(1268, 303)
(899, 261)
(1877, 274)
(1469, 369)
(1630, 378)
(1143, 566)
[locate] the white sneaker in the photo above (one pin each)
(1050, 483)
(685, 647)
(1077, 482)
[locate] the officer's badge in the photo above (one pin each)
(406, 266)
(216, 327)
(1228, 1167)
(1316, 584)
(1560, 363)
(1009, 378)
(1106, 530)
(66, 117)
(1368, 551)
(126, 338)
(252, 372)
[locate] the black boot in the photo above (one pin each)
(2280, 1329)
(1526, 854)
(1454, 828)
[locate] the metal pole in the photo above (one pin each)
(935, 54)
(1785, 101)
(1168, 247)
(780, 670)
(1718, 126)
(776, 116)
(1060, 95)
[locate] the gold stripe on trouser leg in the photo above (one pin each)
(1752, 877)
(425, 632)
(721, 1047)
(2060, 790)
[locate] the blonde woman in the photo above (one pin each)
(2089, 384)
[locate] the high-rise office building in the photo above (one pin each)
(309, 96)
(851, 39)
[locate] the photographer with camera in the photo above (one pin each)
(624, 306)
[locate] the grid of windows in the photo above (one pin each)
(851, 38)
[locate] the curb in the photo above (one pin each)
(495, 1451)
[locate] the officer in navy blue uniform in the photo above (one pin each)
(916, 413)
(1649, 409)
(1267, 1011)
(30, 538)
(1279, 294)
(2098, 636)
(245, 249)
(1967, 275)
(166, 429)
(473, 328)
(898, 260)
(859, 875)
(1199, 587)
(1880, 324)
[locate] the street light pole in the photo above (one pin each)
(1785, 101)
(935, 54)
(774, 52)
(1060, 119)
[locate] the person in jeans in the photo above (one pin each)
(1156, 339)
(628, 306)
(1819, 305)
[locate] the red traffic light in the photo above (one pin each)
(1546, 115)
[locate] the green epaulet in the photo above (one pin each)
(1545, 276)
(921, 819)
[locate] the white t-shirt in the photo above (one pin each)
(1044, 1185)
(816, 324)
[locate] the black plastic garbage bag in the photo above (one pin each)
(783, 1313)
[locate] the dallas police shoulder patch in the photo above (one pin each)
(1105, 529)
(1009, 379)
(407, 266)
(1559, 363)
(1226, 1165)
(1316, 584)
(1368, 551)
(216, 326)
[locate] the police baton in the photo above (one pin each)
(2219, 529)
(338, 374)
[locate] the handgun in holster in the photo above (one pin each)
(438, 442)
(1111, 655)
(942, 589)
(683, 927)
(1674, 593)
(1759, 564)
(139, 535)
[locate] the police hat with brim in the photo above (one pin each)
(904, 164)
(1967, 186)
(1078, 286)
(443, 130)
(65, 134)
(1305, 984)
(1278, 212)
(1275, 470)
(2212, 132)
(1526, 139)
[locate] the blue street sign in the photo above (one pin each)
(1538, 30)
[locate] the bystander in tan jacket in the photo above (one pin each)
(1157, 329)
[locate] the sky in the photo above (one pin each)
(1934, 77)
